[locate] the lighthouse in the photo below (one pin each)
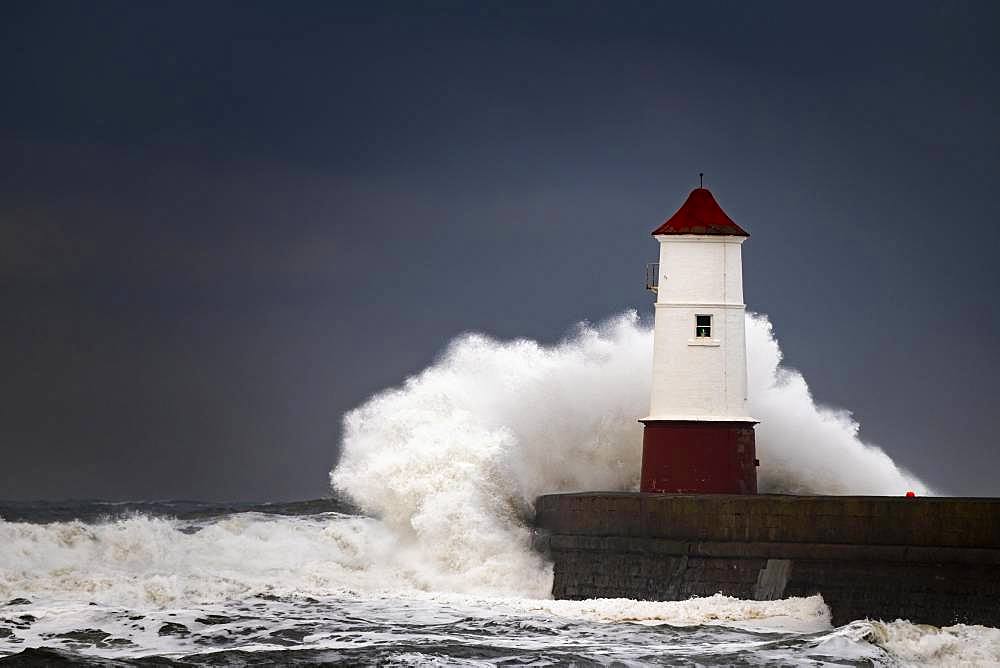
(698, 451)
(698, 437)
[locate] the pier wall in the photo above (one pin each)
(929, 560)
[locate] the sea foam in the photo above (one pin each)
(447, 466)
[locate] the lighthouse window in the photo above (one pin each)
(703, 326)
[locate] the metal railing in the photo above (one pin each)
(653, 276)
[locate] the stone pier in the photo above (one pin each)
(928, 560)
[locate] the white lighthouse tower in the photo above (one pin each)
(698, 437)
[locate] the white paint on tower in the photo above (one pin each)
(700, 374)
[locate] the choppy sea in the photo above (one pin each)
(183, 583)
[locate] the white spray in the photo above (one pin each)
(452, 460)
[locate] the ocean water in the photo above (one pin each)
(311, 583)
(423, 555)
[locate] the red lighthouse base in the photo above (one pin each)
(695, 457)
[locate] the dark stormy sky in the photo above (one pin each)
(224, 224)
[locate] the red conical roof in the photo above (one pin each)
(701, 214)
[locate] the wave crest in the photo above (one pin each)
(453, 459)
